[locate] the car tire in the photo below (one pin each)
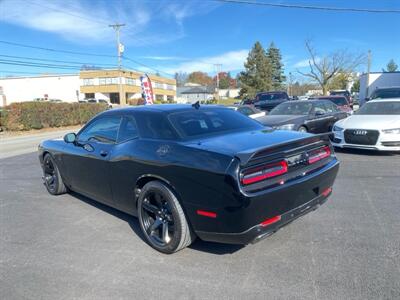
(51, 176)
(162, 219)
(302, 129)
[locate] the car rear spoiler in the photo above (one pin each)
(257, 153)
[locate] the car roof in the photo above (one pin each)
(387, 88)
(162, 108)
(328, 97)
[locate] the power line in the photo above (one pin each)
(54, 60)
(4, 62)
(55, 50)
(298, 6)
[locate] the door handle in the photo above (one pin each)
(103, 153)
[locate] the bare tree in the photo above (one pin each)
(324, 69)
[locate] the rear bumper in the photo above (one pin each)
(259, 232)
(242, 223)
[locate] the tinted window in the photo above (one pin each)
(329, 107)
(104, 130)
(337, 100)
(319, 108)
(384, 94)
(128, 130)
(340, 93)
(205, 122)
(380, 108)
(271, 96)
(292, 108)
(245, 110)
(154, 126)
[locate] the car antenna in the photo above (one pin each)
(196, 105)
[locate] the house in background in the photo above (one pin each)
(189, 94)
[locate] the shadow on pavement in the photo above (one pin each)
(198, 245)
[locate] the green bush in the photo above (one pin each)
(37, 115)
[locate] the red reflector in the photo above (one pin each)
(326, 192)
(209, 214)
(319, 154)
(264, 172)
(270, 221)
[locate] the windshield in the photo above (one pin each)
(292, 108)
(384, 94)
(380, 108)
(340, 101)
(204, 122)
(271, 96)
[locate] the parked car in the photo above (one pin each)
(344, 93)
(93, 100)
(385, 93)
(191, 170)
(248, 110)
(340, 101)
(303, 97)
(374, 126)
(314, 116)
(268, 100)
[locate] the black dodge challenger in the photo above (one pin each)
(188, 171)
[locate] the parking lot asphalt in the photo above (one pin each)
(69, 246)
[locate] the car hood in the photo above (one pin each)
(370, 122)
(247, 141)
(276, 120)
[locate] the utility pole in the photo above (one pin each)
(290, 92)
(217, 68)
(117, 27)
(368, 71)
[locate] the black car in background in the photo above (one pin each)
(316, 116)
(268, 100)
(186, 171)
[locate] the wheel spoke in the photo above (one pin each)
(165, 235)
(154, 226)
(149, 207)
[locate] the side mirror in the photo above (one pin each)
(70, 137)
(319, 113)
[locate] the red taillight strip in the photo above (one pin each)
(204, 213)
(326, 192)
(264, 172)
(270, 221)
(319, 154)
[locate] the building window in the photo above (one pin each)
(159, 97)
(88, 81)
(130, 81)
(108, 80)
(170, 87)
(158, 85)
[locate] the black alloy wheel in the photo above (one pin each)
(51, 176)
(162, 219)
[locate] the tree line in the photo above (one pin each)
(264, 71)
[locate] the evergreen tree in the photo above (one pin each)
(391, 66)
(257, 74)
(275, 59)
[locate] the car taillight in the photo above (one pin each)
(319, 154)
(264, 172)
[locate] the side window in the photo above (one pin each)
(319, 108)
(128, 129)
(329, 107)
(154, 126)
(104, 130)
(245, 110)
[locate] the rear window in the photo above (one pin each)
(338, 101)
(340, 93)
(154, 126)
(271, 96)
(204, 122)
